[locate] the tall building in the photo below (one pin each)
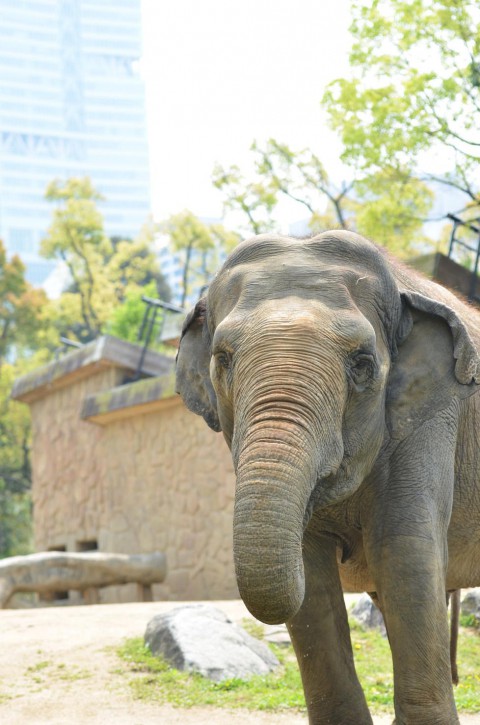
(71, 104)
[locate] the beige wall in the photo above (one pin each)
(158, 481)
(68, 463)
(170, 487)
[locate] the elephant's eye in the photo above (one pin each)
(223, 359)
(362, 370)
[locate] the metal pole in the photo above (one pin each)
(473, 283)
(452, 238)
(147, 342)
(144, 322)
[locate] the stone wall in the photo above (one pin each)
(68, 465)
(141, 475)
(169, 486)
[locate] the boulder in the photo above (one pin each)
(277, 634)
(471, 603)
(368, 615)
(200, 638)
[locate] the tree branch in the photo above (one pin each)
(466, 190)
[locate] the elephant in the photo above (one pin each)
(347, 388)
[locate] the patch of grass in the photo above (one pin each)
(469, 621)
(156, 680)
(467, 692)
(46, 670)
(37, 671)
(71, 675)
(39, 666)
(151, 678)
(252, 627)
(373, 662)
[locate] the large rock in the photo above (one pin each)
(368, 615)
(200, 638)
(277, 634)
(471, 603)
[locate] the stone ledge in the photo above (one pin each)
(124, 401)
(104, 352)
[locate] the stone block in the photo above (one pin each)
(200, 638)
(368, 615)
(471, 604)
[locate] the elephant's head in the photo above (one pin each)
(291, 356)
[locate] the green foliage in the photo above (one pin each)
(469, 620)
(280, 172)
(202, 246)
(413, 88)
(407, 118)
(102, 270)
(21, 308)
(255, 199)
(76, 236)
(390, 209)
(126, 319)
(388, 206)
(15, 522)
(153, 679)
(15, 472)
(24, 327)
(253, 627)
(132, 265)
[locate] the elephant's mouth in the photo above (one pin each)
(333, 485)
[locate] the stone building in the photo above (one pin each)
(120, 465)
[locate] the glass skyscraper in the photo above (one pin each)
(71, 104)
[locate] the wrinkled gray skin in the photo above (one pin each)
(347, 389)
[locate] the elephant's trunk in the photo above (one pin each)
(286, 447)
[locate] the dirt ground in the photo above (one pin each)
(58, 667)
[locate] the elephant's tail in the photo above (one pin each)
(454, 622)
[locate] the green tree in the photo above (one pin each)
(102, 270)
(279, 171)
(200, 244)
(301, 177)
(389, 207)
(24, 330)
(15, 471)
(77, 238)
(411, 101)
(22, 308)
(132, 264)
(126, 319)
(256, 200)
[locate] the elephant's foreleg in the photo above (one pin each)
(321, 638)
(406, 549)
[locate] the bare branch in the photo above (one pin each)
(466, 189)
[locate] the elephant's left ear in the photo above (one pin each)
(437, 360)
(193, 361)
(465, 352)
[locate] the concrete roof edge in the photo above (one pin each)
(127, 399)
(106, 350)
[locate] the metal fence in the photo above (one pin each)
(471, 228)
(156, 319)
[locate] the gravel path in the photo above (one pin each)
(56, 668)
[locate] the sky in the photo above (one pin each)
(220, 73)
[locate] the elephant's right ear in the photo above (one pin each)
(193, 367)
